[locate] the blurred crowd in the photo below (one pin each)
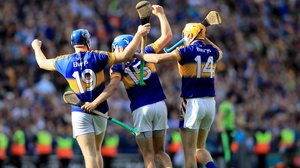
(260, 40)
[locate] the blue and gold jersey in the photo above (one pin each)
(84, 72)
(197, 67)
(130, 74)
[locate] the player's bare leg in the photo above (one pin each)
(161, 156)
(99, 140)
(146, 148)
(88, 147)
(203, 155)
(189, 142)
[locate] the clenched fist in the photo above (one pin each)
(143, 30)
(157, 10)
(36, 43)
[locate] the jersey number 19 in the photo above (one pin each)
(88, 77)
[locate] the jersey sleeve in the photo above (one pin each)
(52, 63)
(61, 63)
(111, 58)
(182, 53)
(116, 71)
(216, 53)
(107, 57)
(152, 48)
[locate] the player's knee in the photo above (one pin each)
(149, 157)
(97, 148)
(188, 150)
(159, 154)
(99, 154)
(159, 150)
(89, 156)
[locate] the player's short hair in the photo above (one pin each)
(80, 37)
(194, 31)
(121, 41)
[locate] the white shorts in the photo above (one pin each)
(197, 113)
(84, 123)
(151, 117)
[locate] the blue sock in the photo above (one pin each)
(210, 164)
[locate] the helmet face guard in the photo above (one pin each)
(121, 41)
(81, 37)
(193, 31)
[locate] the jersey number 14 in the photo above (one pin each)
(208, 67)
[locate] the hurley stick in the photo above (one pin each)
(144, 10)
(71, 98)
(212, 18)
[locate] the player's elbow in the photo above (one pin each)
(169, 35)
(42, 65)
(158, 60)
(46, 66)
(114, 84)
(114, 88)
(122, 57)
(220, 55)
(127, 56)
(151, 59)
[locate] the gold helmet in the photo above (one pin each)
(194, 31)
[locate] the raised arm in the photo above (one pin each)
(165, 29)
(107, 92)
(159, 58)
(42, 61)
(130, 50)
(206, 40)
